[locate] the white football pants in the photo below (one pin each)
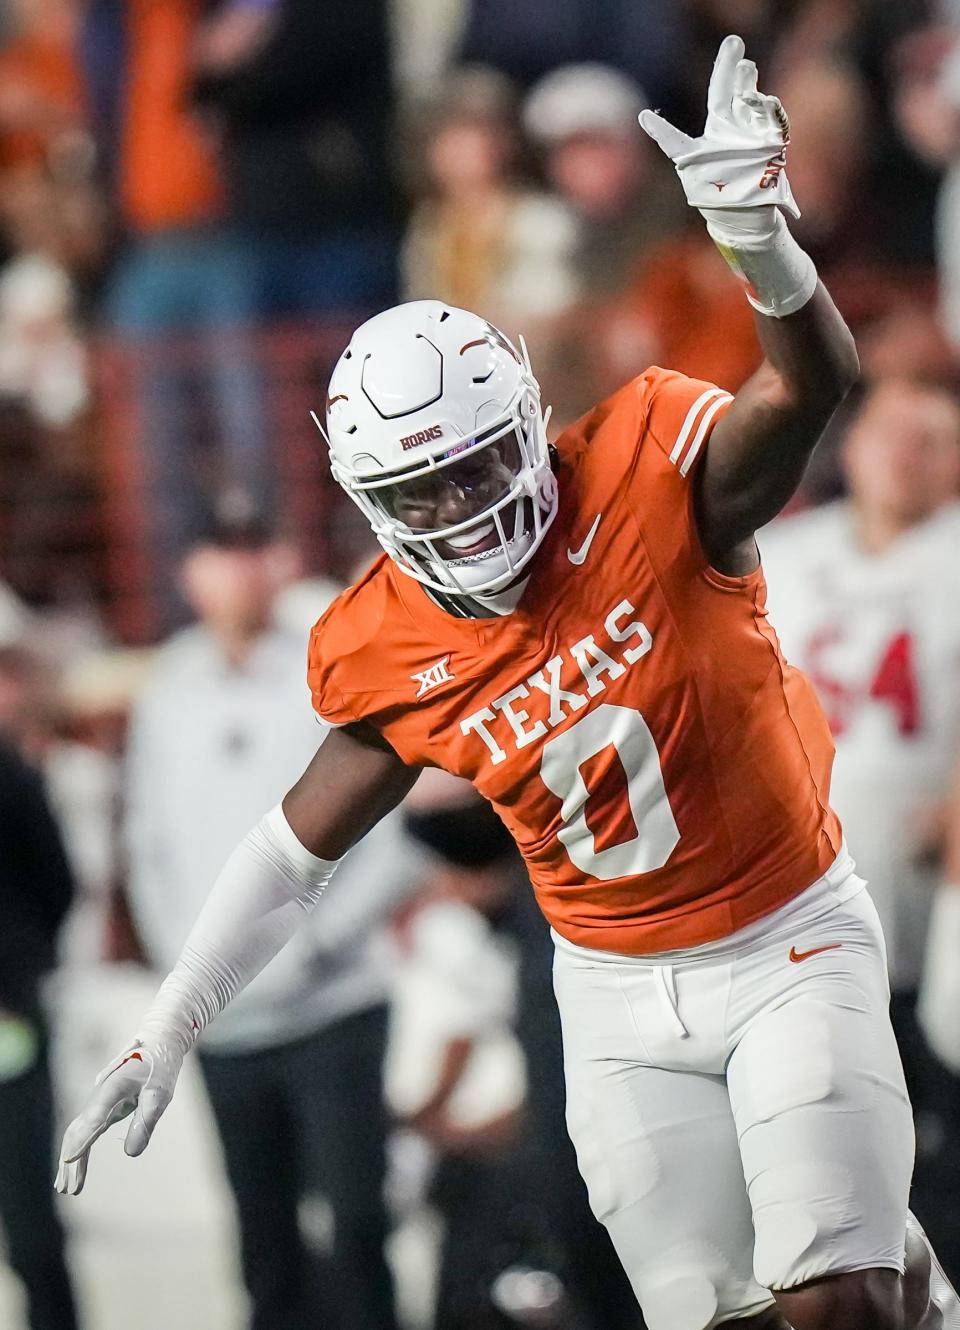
(739, 1110)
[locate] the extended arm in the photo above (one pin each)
(735, 175)
(354, 780)
(760, 447)
(266, 889)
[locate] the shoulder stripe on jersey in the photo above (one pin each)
(702, 432)
(690, 419)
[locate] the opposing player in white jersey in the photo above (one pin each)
(865, 597)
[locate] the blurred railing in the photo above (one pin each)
(292, 367)
(80, 520)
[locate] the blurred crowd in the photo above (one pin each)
(198, 200)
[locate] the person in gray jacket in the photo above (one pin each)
(293, 1070)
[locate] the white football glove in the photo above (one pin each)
(739, 159)
(141, 1081)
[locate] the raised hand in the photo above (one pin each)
(739, 159)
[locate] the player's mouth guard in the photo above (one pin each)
(531, 494)
(519, 535)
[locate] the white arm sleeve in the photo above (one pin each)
(264, 892)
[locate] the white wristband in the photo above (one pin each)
(264, 891)
(778, 275)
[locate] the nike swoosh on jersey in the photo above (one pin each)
(578, 556)
(814, 951)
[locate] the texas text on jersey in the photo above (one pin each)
(663, 770)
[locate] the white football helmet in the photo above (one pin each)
(435, 430)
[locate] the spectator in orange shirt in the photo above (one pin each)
(183, 294)
(686, 274)
(40, 91)
(49, 205)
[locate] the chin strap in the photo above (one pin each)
(460, 607)
(497, 606)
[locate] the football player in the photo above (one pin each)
(582, 634)
(865, 595)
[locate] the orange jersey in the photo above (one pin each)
(663, 770)
(168, 168)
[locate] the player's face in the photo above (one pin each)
(456, 493)
(902, 457)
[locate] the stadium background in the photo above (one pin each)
(197, 204)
